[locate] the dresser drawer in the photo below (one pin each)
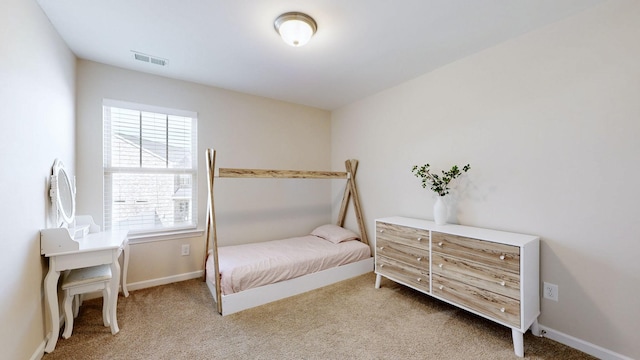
(490, 304)
(414, 256)
(402, 234)
(473, 273)
(501, 256)
(401, 272)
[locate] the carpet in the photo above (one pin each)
(347, 320)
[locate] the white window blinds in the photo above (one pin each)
(150, 168)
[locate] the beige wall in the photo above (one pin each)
(550, 123)
(37, 118)
(247, 132)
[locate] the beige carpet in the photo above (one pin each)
(348, 320)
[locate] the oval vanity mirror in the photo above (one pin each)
(62, 195)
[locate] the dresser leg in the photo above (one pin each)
(535, 328)
(378, 279)
(518, 342)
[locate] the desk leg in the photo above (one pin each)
(115, 282)
(125, 267)
(51, 299)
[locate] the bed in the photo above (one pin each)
(254, 274)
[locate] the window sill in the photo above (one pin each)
(164, 236)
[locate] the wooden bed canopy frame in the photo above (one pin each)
(350, 193)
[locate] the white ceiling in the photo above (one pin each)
(361, 46)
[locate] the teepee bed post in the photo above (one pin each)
(212, 229)
(351, 192)
(230, 303)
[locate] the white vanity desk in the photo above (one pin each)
(77, 242)
(65, 253)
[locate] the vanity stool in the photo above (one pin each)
(82, 281)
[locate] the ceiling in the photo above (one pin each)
(361, 46)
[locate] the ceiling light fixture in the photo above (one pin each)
(295, 28)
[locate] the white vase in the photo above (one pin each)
(440, 211)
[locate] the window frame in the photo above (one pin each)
(160, 233)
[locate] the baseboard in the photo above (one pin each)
(150, 283)
(165, 280)
(39, 353)
(586, 347)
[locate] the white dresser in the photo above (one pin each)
(494, 274)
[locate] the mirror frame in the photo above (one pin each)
(63, 194)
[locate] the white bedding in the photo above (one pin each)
(252, 265)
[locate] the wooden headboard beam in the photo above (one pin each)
(292, 174)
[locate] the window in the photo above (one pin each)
(150, 168)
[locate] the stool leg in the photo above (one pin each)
(106, 294)
(68, 315)
(76, 305)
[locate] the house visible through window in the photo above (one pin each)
(150, 168)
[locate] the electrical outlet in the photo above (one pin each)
(185, 249)
(550, 291)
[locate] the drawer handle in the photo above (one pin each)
(441, 287)
(381, 231)
(440, 266)
(419, 239)
(440, 244)
(419, 259)
(419, 279)
(381, 247)
(501, 257)
(502, 283)
(502, 309)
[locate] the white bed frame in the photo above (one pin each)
(250, 298)
(232, 303)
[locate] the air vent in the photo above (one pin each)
(150, 59)
(157, 61)
(141, 57)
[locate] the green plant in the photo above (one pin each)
(438, 183)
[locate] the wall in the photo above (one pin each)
(247, 132)
(37, 119)
(549, 123)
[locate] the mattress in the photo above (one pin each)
(248, 266)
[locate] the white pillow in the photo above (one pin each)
(334, 233)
